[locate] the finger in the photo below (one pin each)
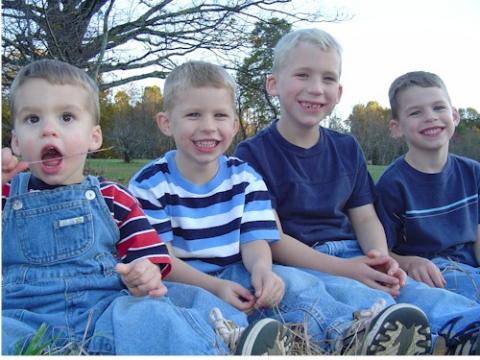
(380, 277)
(377, 261)
(437, 278)
(390, 290)
(159, 292)
(122, 269)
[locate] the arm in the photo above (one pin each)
(269, 287)
(229, 291)
(371, 237)
(360, 269)
(11, 166)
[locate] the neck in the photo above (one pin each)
(199, 174)
(427, 162)
(301, 136)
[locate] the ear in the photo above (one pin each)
(395, 130)
(271, 85)
(96, 138)
(163, 123)
(340, 92)
(14, 144)
(456, 116)
(236, 125)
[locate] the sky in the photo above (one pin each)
(387, 38)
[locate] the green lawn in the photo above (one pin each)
(119, 171)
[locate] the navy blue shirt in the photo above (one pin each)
(431, 215)
(311, 189)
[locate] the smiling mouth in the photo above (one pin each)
(206, 144)
(309, 106)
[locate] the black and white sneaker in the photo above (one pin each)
(262, 337)
(400, 329)
(464, 342)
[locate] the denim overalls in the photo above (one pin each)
(58, 253)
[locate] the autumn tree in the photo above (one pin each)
(131, 40)
(256, 107)
(369, 124)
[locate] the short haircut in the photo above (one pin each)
(290, 41)
(195, 74)
(415, 78)
(57, 73)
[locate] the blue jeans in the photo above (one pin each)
(461, 278)
(439, 305)
(307, 301)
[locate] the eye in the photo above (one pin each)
(414, 113)
(330, 79)
(67, 117)
(439, 107)
(193, 115)
(221, 116)
(32, 119)
(301, 75)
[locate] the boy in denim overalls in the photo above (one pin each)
(67, 238)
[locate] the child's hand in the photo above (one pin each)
(389, 267)
(423, 270)
(142, 278)
(364, 269)
(269, 287)
(236, 295)
(11, 166)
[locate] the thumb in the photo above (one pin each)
(122, 268)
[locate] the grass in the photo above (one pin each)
(119, 171)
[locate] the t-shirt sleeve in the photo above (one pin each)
(5, 193)
(244, 152)
(138, 240)
(150, 194)
(258, 220)
(386, 205)
(363, 188)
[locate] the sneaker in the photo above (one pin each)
(400, 329)
(464, 342)
(262, 337)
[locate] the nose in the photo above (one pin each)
(208, 123)
(315, 86)
(49, 127)
(431, 115)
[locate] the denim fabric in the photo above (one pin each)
(439, 305)
(58, 269)
(461, 278)
(306, 301)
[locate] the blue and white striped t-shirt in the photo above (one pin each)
(206, 223)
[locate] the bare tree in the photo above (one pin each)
(146, 37)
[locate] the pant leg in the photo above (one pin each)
(155, 326)
(461, 278)
(307, 301)
(193, 297)
(440, 305)
(14, 332)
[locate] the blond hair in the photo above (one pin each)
(290, 41)
(196, 74)
(58, 73)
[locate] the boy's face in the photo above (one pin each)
(203, 124)
(307, 85)
(53, 124)
(426, 118)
